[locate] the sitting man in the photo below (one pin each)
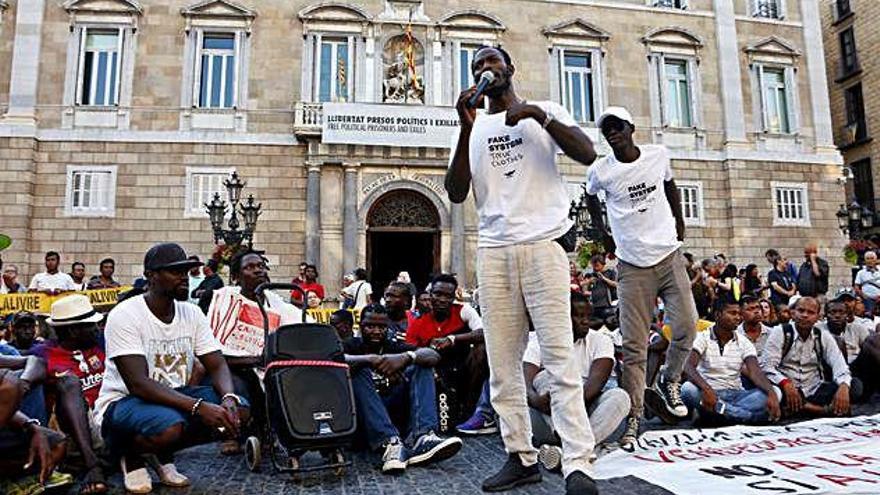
(456, 332)
(398, 300)
(144, 406)
(343, 321)
(393, 379)
(24, 333)
(714, 388)
(752, 325)
(594, 358)
(859, 345)
(75, 370)
(27, 446)
(807, 365)
(235, 318)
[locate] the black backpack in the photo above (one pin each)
(825, 371)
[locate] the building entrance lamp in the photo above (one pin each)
(231, 234)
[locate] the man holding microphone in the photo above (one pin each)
(508, 156)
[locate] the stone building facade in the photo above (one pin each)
(849, 27)
(120, 117)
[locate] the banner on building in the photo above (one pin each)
(389, 125)
(839, 455)
(41, 303)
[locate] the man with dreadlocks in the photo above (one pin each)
(237, 323)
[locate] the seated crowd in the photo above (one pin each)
(170, 368)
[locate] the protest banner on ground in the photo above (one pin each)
(839, 455)
(101, 299)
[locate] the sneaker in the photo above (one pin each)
(550, 456)
(394, 458)
(630, 434)
(511, 475)
(578, 483)
(671, 393)
(478, 425)
(431, 448)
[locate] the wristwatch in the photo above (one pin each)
(412, 356)
(28, 423)
(548, 119)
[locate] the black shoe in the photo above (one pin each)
(431, 448)
(512, 475)
(578, 483)
(664, 398)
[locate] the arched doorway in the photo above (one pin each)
(403, 234)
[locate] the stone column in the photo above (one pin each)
(459, 264)
(350, 218)
(729, 73)
(313, 214)
(25, 63)
(816, 76)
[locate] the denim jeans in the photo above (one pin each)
(511, 290)
(417, 391)
(484, 404)
(740, 406)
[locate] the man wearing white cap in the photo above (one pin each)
(647, 230)
(508, 156)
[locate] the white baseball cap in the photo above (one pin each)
(619, 112)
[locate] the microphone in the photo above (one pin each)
(486, 79)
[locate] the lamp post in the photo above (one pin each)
(855, 220)
(250, 213)
(580, 214)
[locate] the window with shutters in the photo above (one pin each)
(775, 101)
(768, 9)
(577, 61)
(464, 61)
(856, 124)
(218, 77)
(577, 86)
(691, 194)
(334, 64)
(90, 191)
(678, 102)
(99, 68)
(776, 109)
(790, 204)
(201, 185)
(674, 85)
(848, 55)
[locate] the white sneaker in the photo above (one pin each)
(394, 458)
(137, 481)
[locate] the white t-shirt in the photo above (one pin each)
(586, 350)
(854, 335)
(869, 280)
(169, 349)
(237, 322)
(360, 291)
(520, 194)
(639, 215)
(55, 281)
(722, 370)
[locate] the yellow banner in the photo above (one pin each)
(41, 303)
(322, 316)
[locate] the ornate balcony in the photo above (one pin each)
(307, 119)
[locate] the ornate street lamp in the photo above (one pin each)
(842, 219)
(250, 213)
(580, 214)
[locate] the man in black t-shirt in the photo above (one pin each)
(603, 287)
(393, 379)
(781, 285)
(812, 278)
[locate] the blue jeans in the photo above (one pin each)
(484, 404)
(132, 416)
(33, 405)
(417, 391)
(740, 406)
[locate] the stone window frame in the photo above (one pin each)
(781, 221)
(697, 186)
(108, 206)
(461, 27)
(121, 15)
(674, 43)
(198, 211)
(754, 9)
(337, 20)
(215, 17)
(579, 36)
(778, 54)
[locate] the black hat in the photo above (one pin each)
(168, 256)
(22, 316)
(845, 294)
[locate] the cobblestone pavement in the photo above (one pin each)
(212, 473)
